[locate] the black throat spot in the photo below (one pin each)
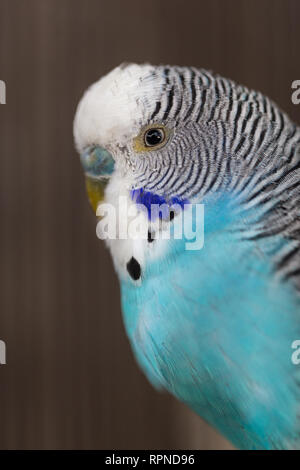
(134, 268)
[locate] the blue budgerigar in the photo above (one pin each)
(213, 326)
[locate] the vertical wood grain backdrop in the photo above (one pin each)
(71, 380)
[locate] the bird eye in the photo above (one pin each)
(154, 136)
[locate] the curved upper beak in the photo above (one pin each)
(98, 165)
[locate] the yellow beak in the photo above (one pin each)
(98, 165)
(95, 190)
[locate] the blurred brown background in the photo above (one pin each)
(71, 380)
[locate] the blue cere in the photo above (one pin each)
(97, 161)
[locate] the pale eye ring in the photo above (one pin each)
(154, 136)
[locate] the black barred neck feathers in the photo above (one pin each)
(224, 135)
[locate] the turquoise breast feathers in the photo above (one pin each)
(215, 327)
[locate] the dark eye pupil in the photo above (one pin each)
(154, 137)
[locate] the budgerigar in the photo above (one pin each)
(213, 326)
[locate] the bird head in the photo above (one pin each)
(141, 121)
(174, 134)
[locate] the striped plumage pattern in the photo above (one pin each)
(229, 138)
